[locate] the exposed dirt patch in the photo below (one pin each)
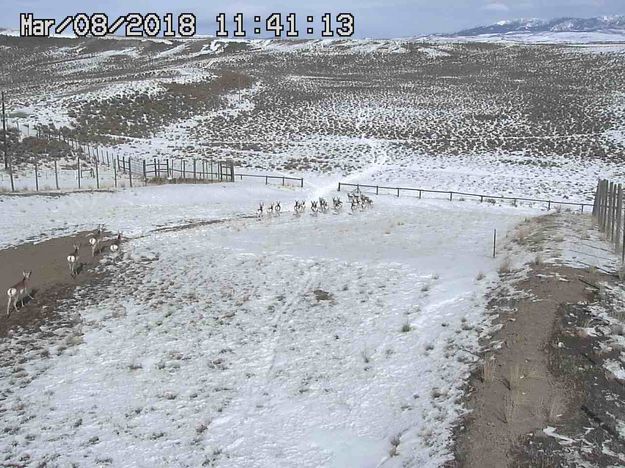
(51, 281)
(516, 392)
(322, 295)
(590, 432)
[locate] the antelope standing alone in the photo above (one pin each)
(18, 291)
(259, 211)
(72, 260)
(95, 240)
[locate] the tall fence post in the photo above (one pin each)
(97, 173)
(145, 173)
(78, 166)
(56, 174)
(115, 172)
(610, 210)
(129, 170)
(596, 202)
(36, 176)
(194, 171)
(494, 242)
(604, 204)
(619, 217)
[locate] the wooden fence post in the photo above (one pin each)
(167, 162)
(78, 165)
(619, 217)
(36, 176)
(129, 170)
(596, 202)
(184, 169)
(604, 204)
(115, 173)
(494, 242)
(145, 173)
(194, 170)
(610, 210)
(97, 173)
(56, 174)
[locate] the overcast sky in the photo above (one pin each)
(374, 18)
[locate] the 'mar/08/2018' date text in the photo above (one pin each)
(185, 25)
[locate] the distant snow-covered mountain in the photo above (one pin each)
(534, 25)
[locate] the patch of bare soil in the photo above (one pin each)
(517, 392)
(590, 432)
(51, 281)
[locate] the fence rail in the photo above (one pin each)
(452, 193)
(299, 180)
(93, 167)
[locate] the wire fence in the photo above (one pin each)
(450, 194)
(88, 166)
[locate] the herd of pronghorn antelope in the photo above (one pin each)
(356, 200)
(21, 290)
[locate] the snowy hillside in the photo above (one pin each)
(534, 25)
(610, 29)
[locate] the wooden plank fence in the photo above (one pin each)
(89, 159)
(608, 212)
(451, 193)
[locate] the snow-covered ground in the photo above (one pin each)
(311, 341)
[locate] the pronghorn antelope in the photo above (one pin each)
(270, 210)
(259, 211)
(337, 203)
(313, 207)
(277, 207)
(323, 205)
(18, 291)
(72, 261)
(95, 240)
(366, 201)
(299, 207)
(116, 242)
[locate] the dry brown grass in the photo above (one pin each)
(488, 370)
(506, 266)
